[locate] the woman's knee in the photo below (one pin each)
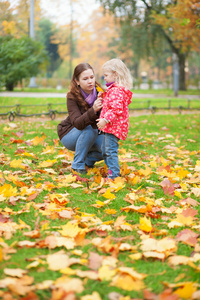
(90, 132)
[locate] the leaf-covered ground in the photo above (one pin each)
(65, 236)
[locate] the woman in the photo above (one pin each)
(79, 132)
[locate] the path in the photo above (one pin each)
(63, 95)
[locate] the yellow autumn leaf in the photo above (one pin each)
(109, 195)
(60, 199)
(48, 149)
(99, 89)
(7, 190)
(110, 211)
(186, 291)
(106, 273)
(178, 194)
(38, 140)
(135, 256)
(47, 163)
(145, 224)
(94, 296)
(145, 172)
(99, 204)
(1, 255)
(17, 163)
(183, 186)
(184, 220)
(153, 164)
(126, 282)
(72, 230)
(182, 173)
(28, 154)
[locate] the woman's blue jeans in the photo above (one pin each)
(87, 144)
(110, 148)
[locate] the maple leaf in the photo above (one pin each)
(95, 261)
(37, 140)
(168, 187)
(110, 211)
(60, 199)
(14, 141)
(15, 272)
(106, 273)
(187, 236)
(120, 221)
(53, 242)
(126, 282)
(109, 195)
(57, 261)
(93, 296)
(7, 190)
(32, 234)
(145, 224)
(186, 290)
(69, 285)
(158, 248)
(196, 191)
(145, 172)
(188, 201)
(72, 230)
(140, 209)
(17, 163)
(47, 150)
(47, 163)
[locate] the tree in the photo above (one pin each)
(175, 20)
(7, 21)
(44, 35)
(19, 59)
(98, 41)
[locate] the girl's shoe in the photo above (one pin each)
(80, 171)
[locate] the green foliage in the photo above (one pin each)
(46, 30)
(19, 58)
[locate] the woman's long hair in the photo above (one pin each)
(75, 89)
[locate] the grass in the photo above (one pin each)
(25, 105)
(154, 143)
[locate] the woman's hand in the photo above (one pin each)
(101, 123)
(98, 104)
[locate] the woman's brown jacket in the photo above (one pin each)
(78, 117)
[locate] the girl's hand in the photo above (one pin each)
(100, 94)
(101, 123)
(97, 104)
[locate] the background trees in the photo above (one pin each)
(175, 21)
(144, 33)
(19, 58)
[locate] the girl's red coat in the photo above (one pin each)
(115, 110)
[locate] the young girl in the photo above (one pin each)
(114, 117)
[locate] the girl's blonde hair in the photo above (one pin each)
(122, 73)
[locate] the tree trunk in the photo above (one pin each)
(9, 86)
(136, 68)
(182, 81)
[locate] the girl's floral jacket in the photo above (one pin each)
(115, 110)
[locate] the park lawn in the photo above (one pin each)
(30, 106)
(64, 234)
